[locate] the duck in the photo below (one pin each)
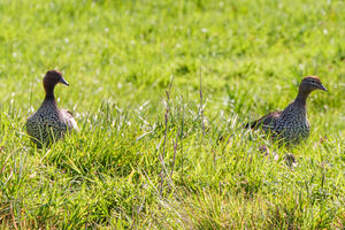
(49, 123)
(291, 125)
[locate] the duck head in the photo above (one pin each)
(308, 85)
(51, 79)
(311, 83)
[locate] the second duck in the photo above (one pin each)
(49, 123)
(291, 125)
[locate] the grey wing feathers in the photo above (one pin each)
(266, 121)
(69, 119)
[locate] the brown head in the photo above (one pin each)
(311, 83)
(307, 85)
(50, 80)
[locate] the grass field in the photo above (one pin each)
(157, 149)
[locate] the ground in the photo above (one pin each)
(160, 91)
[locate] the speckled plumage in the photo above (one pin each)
(48, 123)
(290, 125)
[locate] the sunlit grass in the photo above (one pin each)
(150, 153)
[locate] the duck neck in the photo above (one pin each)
(301, 98)
(50, 97)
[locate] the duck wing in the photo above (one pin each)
(266, 122)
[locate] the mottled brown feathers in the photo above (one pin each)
(290, 125)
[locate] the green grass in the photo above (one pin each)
(144, 161)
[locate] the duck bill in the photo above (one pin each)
(323, 88)
(63, 81)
